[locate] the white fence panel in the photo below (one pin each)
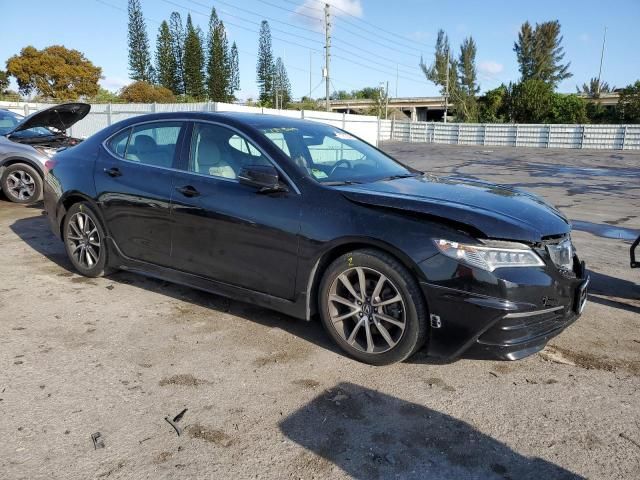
(610, 137)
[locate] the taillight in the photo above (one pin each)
(49, 164)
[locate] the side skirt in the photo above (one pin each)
(296, 308)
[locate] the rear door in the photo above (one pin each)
(227, 231)
(134, 176)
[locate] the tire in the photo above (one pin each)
(389, 321)
(21, 183)
(84, 240)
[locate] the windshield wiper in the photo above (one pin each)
(402, 175)
(341, 182)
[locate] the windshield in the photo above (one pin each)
(332, 156)
(10, 120)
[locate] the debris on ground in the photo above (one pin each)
(174, 421)
(98, 440)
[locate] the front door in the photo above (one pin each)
(227, 231)
(134, 180)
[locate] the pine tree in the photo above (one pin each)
(177, 47)
(139, 57)
(549, 54)
(467, 67)
(524, 49)
(234, 84)
(218, 60)
(437, 71)
(166, 69)
(194, 84)
(281, 84)
(265, 67)
(540, 53)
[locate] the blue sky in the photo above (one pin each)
(98, 28)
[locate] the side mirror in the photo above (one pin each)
(263, 177)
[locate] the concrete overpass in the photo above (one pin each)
(431, 108)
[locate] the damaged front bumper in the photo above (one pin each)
(507, 314)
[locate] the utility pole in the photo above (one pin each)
(604, 39)
(396, 80)
(310, 76)
(327, 45)
(446, 95)
(386, 107)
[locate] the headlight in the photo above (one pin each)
(489, 257)
(47, 152)
(562, 254)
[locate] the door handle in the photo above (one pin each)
(113, 172)
(188, 191)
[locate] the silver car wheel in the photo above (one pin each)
(367, 310)
(21, 185)
(84, 240)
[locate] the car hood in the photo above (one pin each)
(497, 211)
(59, 117)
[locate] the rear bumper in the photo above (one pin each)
(481, 326)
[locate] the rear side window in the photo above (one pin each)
(154, 143)
(118, 143)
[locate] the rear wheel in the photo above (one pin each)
(372, 307)
(84, 240)
(21, 183)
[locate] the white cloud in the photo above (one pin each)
(490, 67)
(311, 12)
(114, 83)
(419, 36)
(584, 37)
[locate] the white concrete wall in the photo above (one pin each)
(103, 115)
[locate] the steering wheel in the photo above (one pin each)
(337, 165)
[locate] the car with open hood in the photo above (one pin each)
(26, 143)
(304, 218)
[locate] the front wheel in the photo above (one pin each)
(84, 240)
(372, 307)
(21, 183)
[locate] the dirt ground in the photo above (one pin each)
(270, 397)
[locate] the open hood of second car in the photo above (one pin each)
(59, 117)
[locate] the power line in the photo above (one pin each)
(394, 37)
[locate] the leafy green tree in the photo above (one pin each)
(104, 96)
(530, 101)
(139, 57)
(54, 72)
(540, 53)
(265, 67)
(234, 83)
(568, 109)
(594, 88)
(218, 60)
(281, 84)
(145, 92)
(194, 83)
(629, 103)
(4, 81)
(166, 68)
(492, 106)
(176, 29)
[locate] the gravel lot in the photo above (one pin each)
(270, 397)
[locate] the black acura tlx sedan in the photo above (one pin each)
(307, 219)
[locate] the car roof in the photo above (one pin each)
(255, 120)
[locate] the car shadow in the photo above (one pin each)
(603, 286)
(35, 232)
(369, 435)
